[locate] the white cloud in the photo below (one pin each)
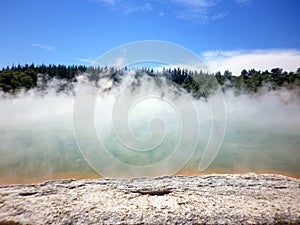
(243, 2)
(236, 61)
(218, 16)
(45, 47)
(107, 2)
(86, 60)
(195, 3)
(131, 8)
(126, 6)
(198, 15)
(197, 11)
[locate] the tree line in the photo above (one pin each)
(19, 77)
(15, 78)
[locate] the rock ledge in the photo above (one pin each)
(209, 199)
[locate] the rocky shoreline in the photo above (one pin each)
(209, 199)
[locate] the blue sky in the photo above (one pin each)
(226, 34)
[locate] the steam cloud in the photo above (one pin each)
(37, 140)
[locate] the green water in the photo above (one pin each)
(249, 150)
(41, 154)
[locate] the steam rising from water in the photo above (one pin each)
(37, 140)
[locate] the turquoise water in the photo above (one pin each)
(249, 150)
(34, 155)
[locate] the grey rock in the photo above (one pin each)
(210, 199)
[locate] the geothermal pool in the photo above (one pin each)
(37, 139)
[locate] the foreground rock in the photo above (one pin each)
(211, 199)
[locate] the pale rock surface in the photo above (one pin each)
(209, 199)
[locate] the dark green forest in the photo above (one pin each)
(26, 77)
